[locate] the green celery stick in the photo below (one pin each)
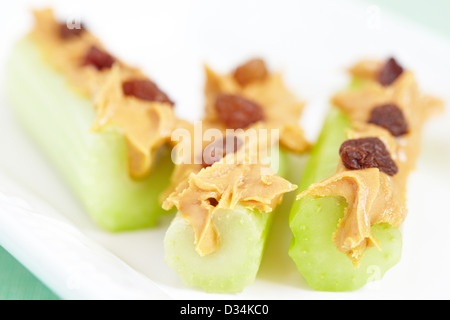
(234, 265)
(94, 164)
(314, 220)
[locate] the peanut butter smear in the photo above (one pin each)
(225, 185)
(372, 196)
(282, 111)
(145, 125)
(281, 108)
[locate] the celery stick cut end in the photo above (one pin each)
(317, 258)
(233, 265)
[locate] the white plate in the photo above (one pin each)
(312, 42)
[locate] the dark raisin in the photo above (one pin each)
(98, 58)
(251, 71)
(236, 112)
(390, 117)
(218, 149)
(66, 33)
(145, 89)
(365, 153)
(390, 71)
(213, 202)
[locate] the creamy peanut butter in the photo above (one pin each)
(282, 109)
(224, 186)
(372, 196)
(145, 125)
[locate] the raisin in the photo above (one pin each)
(251, 71)
(390, 71)
(98, 58)
(365, 153)
(145, 89)
(213, 202)
(236, 112)
(66, 33)
(390, 117)
(218, 149)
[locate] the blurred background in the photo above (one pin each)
(172, 40)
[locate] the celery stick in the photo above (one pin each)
(93, 164)
(313, 221)
(235, 264)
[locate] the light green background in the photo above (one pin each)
(434, 14)
(17, 283)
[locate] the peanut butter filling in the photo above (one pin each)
(282, 109)
(146, 125)
(224, 186)
(372, 196)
